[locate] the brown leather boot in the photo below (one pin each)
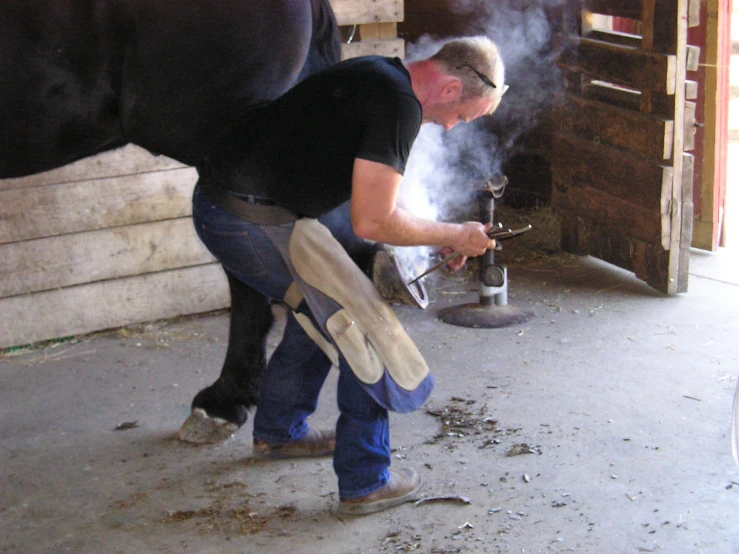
(313, 445)
(401, 487)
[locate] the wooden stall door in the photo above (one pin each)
(621, 179)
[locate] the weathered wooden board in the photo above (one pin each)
(691, 90)
(647, 136)
(75, 310)
(624, 39)
(355, 12)
(631, 9)
(633, 180)
(127, 160)
(648, 261)
(659, 18)
(68, 260)
(601, 92)
(689, 126)
(387, 47)
(623, 65)
(97, 204)
(610, 211)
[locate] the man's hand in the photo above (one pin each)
(457, 263)
(473, 239)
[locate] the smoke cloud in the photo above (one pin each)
(444, 166)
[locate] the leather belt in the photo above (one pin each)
(249, 207)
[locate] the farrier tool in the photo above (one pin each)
(497, 233)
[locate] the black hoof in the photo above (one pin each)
(218, 401)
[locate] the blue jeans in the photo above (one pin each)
(298, 368)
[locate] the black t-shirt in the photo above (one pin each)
(299, 151)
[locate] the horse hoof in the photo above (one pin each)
(200, 428)
(391, 280)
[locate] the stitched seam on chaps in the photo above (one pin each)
(376, 335)
(316, 336)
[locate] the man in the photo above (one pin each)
(329, 155)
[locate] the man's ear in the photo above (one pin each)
(452, 90)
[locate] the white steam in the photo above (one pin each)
(445, 166)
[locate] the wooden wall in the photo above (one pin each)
(108, 241)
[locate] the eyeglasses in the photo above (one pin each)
(482, 76)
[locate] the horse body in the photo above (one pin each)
(84, 76)
(79, 77)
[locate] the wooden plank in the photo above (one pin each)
(647, 19)
(689, 126)
(389, 48)
(623, 8)
(645, 135)
(80, 258)
(694, 13)
(613, 213)
(691, 90)
(602, 92)
(686, 234)
(622, 65)
(677, 267)
(107, 304)
(647, 261)
(356, 12)
(665, 25)
(580, 162)
(687, 178)
(624, 39)
(661, 105)
(127, 160)
(378, 31)
(693, 57)
(96, 204)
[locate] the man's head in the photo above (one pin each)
(462, 81)
(476, 62)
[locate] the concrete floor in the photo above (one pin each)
(623, 398)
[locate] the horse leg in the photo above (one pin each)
(220, 409)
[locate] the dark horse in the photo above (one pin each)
(79, 77)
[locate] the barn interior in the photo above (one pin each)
(599, 422)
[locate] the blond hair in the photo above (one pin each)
(464, 57)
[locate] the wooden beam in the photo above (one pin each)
(694, 13)
(691, 90)
(378, 31)
(127, 160)
(610, 211)
(389, 48)
(693, 57)
(623, 8)
(356, 12)
(80, 258)
(622, 65)
(645, 135)
(582, 235)
(580, 162)
(624, 39)
(78, 310)
(689, 126)
(73, 207)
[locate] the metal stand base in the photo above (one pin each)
(484, 317)
(492, 311)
